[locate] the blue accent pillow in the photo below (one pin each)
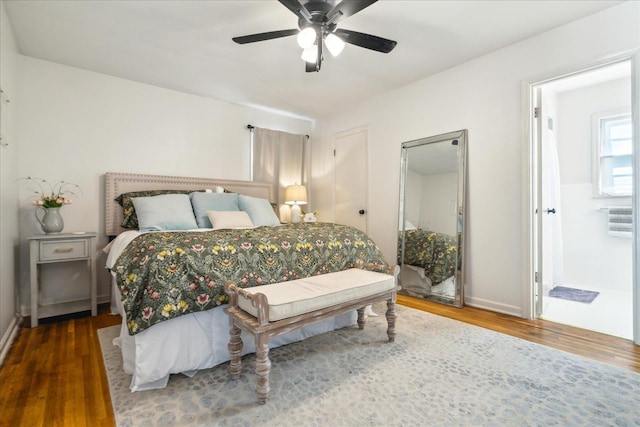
(203, 202)
(165, 212)
(260, 210)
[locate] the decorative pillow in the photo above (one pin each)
(164, 212)
(260, 210)
(203, 202)
(229, 219)
(130, 218)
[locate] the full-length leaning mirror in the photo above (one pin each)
(431, 226)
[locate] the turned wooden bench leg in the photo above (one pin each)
(361, 318)
(235, 348)
(263, 366)
(391, 320)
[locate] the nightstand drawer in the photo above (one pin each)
(61, 249)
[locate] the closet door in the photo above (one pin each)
(351, 178)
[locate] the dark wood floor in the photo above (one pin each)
(54, 375)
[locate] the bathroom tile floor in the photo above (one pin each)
(610, 313)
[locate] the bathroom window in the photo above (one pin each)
(613, 167)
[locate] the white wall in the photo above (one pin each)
(440, 190)
(592, 258)
(423, 192)
(413, 198)
(8, 189)
(483, 96)
(75, 125)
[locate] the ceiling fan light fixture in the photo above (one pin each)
(310, 54)
(318, 30)
(334, 44)
(307, 37)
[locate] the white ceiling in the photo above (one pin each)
(186, 45)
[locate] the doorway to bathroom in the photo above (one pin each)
(583, 187)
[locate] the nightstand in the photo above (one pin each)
(55, 248)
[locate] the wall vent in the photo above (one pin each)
(620, 221)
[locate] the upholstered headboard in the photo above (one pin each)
(119, 183)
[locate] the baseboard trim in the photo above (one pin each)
(484, 304)
(9, 337)
(25, 310)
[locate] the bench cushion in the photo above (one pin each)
(300, 296)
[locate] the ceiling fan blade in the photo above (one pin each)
(347, 8)
(264, 36)
(297, 8)
(366, 41)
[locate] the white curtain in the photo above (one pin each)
(552, 222)
(280, 158)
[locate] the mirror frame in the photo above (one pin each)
(462, 136)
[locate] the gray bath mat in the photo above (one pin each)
(573, 294)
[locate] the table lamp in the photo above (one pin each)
(295, 195)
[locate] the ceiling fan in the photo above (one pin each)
(317, 26)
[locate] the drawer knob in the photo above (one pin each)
(63, 250)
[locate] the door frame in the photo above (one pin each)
(529, 217)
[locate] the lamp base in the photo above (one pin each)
(295, 214)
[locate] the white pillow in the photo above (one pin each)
(229, 219)
(164, 212)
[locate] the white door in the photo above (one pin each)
(351, 178)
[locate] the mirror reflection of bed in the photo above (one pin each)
(431, 217)
(434, 276)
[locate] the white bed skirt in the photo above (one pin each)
(416, 283)
(192, 342)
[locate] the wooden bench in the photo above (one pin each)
(271, 310)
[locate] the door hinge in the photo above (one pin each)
(535, 277)
(536, 112)
(334, 152)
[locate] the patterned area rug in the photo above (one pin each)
(573, 294)
(439, 372)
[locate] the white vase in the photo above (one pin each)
(51, 222)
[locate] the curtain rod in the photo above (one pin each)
(251, 127)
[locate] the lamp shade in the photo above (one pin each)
(310, 54)
(295, 195)
(307, 37)
(334, 44)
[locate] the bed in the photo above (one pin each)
(168, 282)
(430, 262)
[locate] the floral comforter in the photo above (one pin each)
(435, 252)
(163, 275)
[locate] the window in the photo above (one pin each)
(613, 167)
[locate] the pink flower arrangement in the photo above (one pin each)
(52, 196)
